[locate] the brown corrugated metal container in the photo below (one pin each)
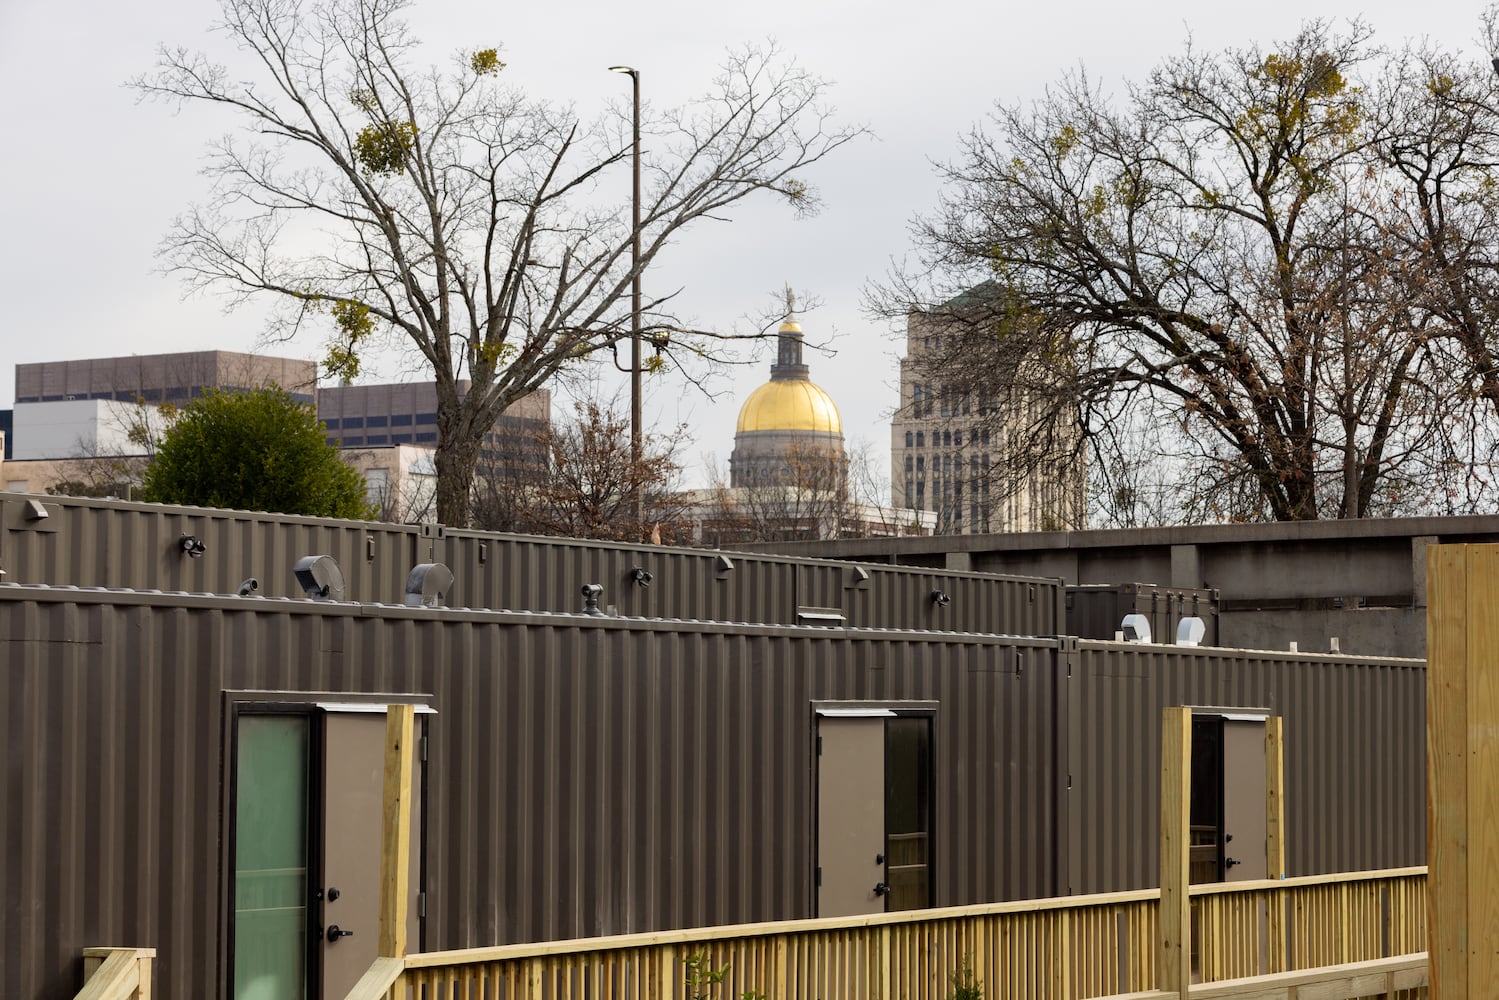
(586, 776)
(100, 543)
(1095, 611)
(1355, 761)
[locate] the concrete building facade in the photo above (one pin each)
(950, 450)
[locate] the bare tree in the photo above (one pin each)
(453, 212)
(1250, 261)
(576, 478)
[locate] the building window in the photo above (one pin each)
(908, 465)
(921, 439)
(426, 418)
(426, 436)
(908, 439)
(985, 437)
(380, 421)
(353, 422)
(400, 420)
(920, 463)
(947, 439)
(957, 439)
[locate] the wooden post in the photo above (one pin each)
(1275, 842)
(1174, 961)
(395, 833)
(1462, 761)
(1276, 949)
(1275, 810)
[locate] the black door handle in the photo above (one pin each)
(880, 888)
(335, 932)
(1230, 862)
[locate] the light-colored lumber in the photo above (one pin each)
(395, 833)
(1174, 963)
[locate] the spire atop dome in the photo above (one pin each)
(788, 365)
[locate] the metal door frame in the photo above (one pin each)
(313, 704)
(884, 708)
(1222, 714)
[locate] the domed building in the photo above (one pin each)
(789, 432)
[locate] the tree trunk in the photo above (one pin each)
(456, 456)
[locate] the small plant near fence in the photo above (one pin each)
(965, 986)
(704, 981)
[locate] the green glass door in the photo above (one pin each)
(270, 939)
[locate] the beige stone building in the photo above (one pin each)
(950, 451)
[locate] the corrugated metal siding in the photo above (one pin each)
(1354, 754)
(97, 543)
(593, 776)
(586, 776)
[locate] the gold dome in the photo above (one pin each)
(789, 405)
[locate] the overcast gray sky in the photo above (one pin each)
(90, 178)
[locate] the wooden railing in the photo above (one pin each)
(117, 974)
(1053, 949)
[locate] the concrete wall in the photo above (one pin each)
(1363, 581)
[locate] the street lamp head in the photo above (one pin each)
(622, 69)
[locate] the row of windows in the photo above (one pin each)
(170, 394)
(946, 401)
(376, 440)
(394, 420)
(948, 439)
(947, 464)
(949, 505)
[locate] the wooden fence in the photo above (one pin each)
(1054, 949)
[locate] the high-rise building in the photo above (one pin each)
(951, 446)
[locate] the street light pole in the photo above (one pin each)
(636, 450)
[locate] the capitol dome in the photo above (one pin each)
(789, 429)
(789, 405)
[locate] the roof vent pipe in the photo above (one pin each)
(320, 578)
(1189, 632)
(427, 584)
(1136, 628)
(591, 592)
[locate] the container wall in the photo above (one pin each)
(98, 543)
(585, 776)
(1354, 754)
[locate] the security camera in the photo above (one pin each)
(941, 598)
(192, 546)
(642, 576)
(248, 587)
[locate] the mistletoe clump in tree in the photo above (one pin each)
(453, 213)
(1261, 285)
